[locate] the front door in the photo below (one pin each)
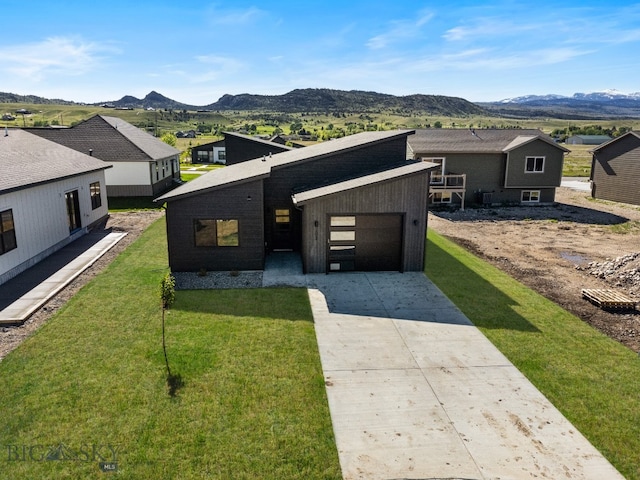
(73, 210)
(282, 229)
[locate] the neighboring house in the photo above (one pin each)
(615, 170)
(240, 148)
(212, 152)
(587, 139)
(49, 196)
(143, 165)
(353, 203)
(490, 167)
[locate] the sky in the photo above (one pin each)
(195, 52)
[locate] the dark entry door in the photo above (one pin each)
(282, 229)
(73, 210)
(365, 243)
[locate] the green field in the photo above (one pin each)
(323, 126)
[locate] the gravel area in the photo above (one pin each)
(217, 280)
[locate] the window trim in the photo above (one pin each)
(445, 198)
(530, 192)
(95, 192)
(215, 235)
(442, 162)
(534, 158)
(10, 233)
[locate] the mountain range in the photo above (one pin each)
(596, 105)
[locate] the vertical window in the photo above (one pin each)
(216, 233)
(530, 196)
(7, 232)
(437, 174)
(96, 199)
(534, 165)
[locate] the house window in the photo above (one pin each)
(222, 154)
(96, 199)
(204, 156)
(534, 165)
(7, 232)
(441, 197)
(216, 233)
(437, 174)
(530, 196)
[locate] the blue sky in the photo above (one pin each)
(195, 52)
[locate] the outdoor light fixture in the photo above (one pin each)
(248, 198)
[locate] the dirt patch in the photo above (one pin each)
(134, 223)
(559, 250)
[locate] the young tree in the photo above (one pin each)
(167, 297)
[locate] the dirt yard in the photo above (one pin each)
(559, 250)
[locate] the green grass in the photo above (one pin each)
(593, 380)
(187, 177)
(577, 163)
(253, 404)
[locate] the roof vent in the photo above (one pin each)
(264, 158)
(91, 152)
(6, 131)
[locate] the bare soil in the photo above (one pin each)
(134, 223)
(559, 250)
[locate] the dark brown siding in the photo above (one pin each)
(223, 204)
(616, 171)
(405, 195)
(307, 175)
(240, 150)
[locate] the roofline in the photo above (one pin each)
(631, 132)
(52, 180)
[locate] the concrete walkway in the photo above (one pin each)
(21, 296)
(416, 391)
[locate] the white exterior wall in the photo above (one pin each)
(216, 155)
(40, 219)
(129, 173)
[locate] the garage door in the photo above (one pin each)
(365, 243)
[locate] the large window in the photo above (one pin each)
(530, 196)
(534, 165)
(437, 174)
(7, 232)
(216, 233)
(96, 199)
(441, 197)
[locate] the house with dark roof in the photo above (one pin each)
(354, 203)
(210, 152)
(489, 167)
(49, 196)
(615, 170)
(240, 147)
(142, 164)
(587, 139)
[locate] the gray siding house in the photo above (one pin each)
(142, 164)
(615, 170)
(489, 167)
(353, 203)
(240, 148)
(49, 196)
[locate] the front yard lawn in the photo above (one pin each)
(593, 380)
(88, 389)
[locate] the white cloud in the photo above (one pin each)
(235, 17)
(400, 30)
(54, 55)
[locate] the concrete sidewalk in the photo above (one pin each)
(21, 296)
(416, 391)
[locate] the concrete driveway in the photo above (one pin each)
(417, 392)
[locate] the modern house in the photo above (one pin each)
(142, 164)
(353, 203)
(489, 167)
(587, 139)
(240, 148)
(49, 196)
(615, 170)
(212, 152)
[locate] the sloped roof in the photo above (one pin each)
(301, 198)
(258, 140)
(110, 139)
(259, 168)
(462, 140)
(27, 160)
(614, 140)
